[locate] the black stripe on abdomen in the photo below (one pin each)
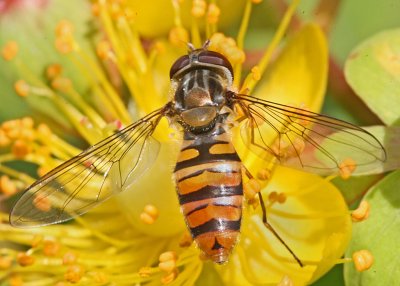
(215, 225)
(210, 192)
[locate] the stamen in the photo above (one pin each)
(169, 255)
(25, 259)
(178, 36)
(346, 168)
(53, 71)
(264, 174)
(273, 197)
(281, 198)
(146, 271)
(20, 149)
(283, 26)
(104, 50)
(362, 212)
(5, 262)
(186, 240)
(168, 278)
(167, 266)
(363, 260)
(199, 8)
(74, 273)
(7, 186)
(51, 248)
(255, 71)
(21, 88)
(9, 51)
(227, 46)
(4, 140)
(213, 13)
(251, 188)
(69, 258)
(42, 203)
(240, 40)
(150, 214)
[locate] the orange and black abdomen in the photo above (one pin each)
(209, 185)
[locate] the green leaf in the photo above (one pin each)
(380, 235)
(373, 71)
(332, 278)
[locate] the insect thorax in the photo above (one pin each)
(199, 96)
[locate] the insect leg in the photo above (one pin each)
(264, 219)
(266, 223)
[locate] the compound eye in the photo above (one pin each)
(178, 65)
(215, 58)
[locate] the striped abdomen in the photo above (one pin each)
(209, 186)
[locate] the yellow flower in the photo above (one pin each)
(139, 236)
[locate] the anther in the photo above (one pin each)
(273, 197)
(21, 88)
(150, 214)
(27, 122)
(281, 198)
(251, 188)
(20, 149)
(74, 273)
(9, 51)
(178, 36)
(44, 130)
(95, 9)
(4, 140)
(263, 174)
(362, 212)
(168, 278)
(256, 73)
(103, 50)
(145, 271)
(25, 259)
(213, 13)
(346, 168)
(256, 1)
(51, 248)
(42, 203)
(69, 258)
(61, 84)
(186, 240)
(168, 255)
(53, 71)
(363, 260)
(199, 8)
(168, 261)
(5, 262)
(7, 186)
(64, 29)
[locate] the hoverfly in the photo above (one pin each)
(208, 172)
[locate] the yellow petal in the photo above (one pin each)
(299, 75)
(313, 221)
(155, 187)
(148, 17)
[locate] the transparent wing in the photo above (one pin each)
(91, 177)
(308, 141)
